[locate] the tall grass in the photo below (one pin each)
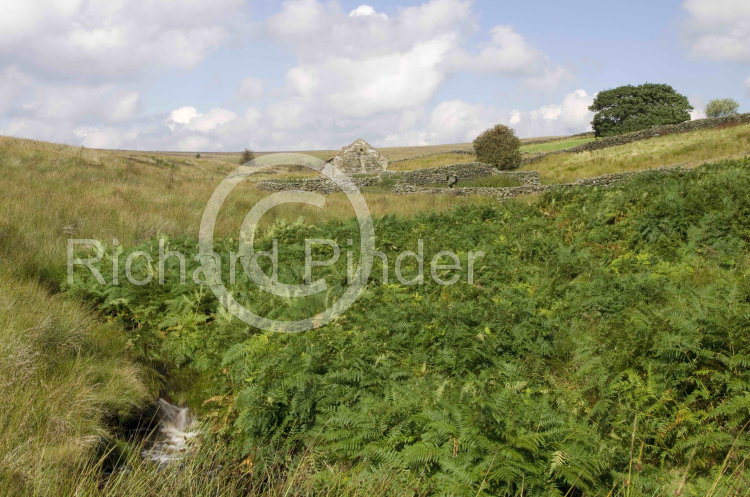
(62, 374)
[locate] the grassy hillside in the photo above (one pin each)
(686, 149)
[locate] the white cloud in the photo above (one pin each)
(366, 11)
(250, 89)
(357, 73)
(183, 115)
(190, 119)
(459, 121)
(719, 29)
(366, 66)
(509, 53)
(77, 37)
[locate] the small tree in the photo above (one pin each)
(247, 156)
(633, 108)
(198, 155)
(498, 146)
(722, 107)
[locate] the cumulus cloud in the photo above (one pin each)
(76, 37)
(358, 72)
(452, 121)
(719, 29)
(367, 55)
(509, 53)
(459, 121)
(365, 11)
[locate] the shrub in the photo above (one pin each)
(247, 156)
(722, 107)
(198, 155)
(498, 146)
(633, 108)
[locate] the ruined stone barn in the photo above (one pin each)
(360, 158)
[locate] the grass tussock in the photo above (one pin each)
(62, 375)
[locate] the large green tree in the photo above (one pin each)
(632, 108)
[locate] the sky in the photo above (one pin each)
(223, 75)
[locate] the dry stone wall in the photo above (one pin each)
(464, 172)
(318, 185)
(603, 181)
(433, 175)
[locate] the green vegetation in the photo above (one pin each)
(632, 108)
(499, 147)
(600, 350)
(686, 149)
(722, 107)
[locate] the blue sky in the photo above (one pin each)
(227, 74)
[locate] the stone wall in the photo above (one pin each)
(319, 185)
(433, 175)
(464, 172)
(603, 181)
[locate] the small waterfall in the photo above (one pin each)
(175, 438)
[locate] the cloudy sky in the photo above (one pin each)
(302, 74)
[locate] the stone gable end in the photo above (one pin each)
(360, 158)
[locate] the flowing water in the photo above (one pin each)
(176, 436)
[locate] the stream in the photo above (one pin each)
(176, 435)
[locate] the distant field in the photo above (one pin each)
(688, 149)
(395, 153)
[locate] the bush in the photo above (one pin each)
(198, 155)
(633, 108)
(722, 107)
(498, 146)
(247, 156)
